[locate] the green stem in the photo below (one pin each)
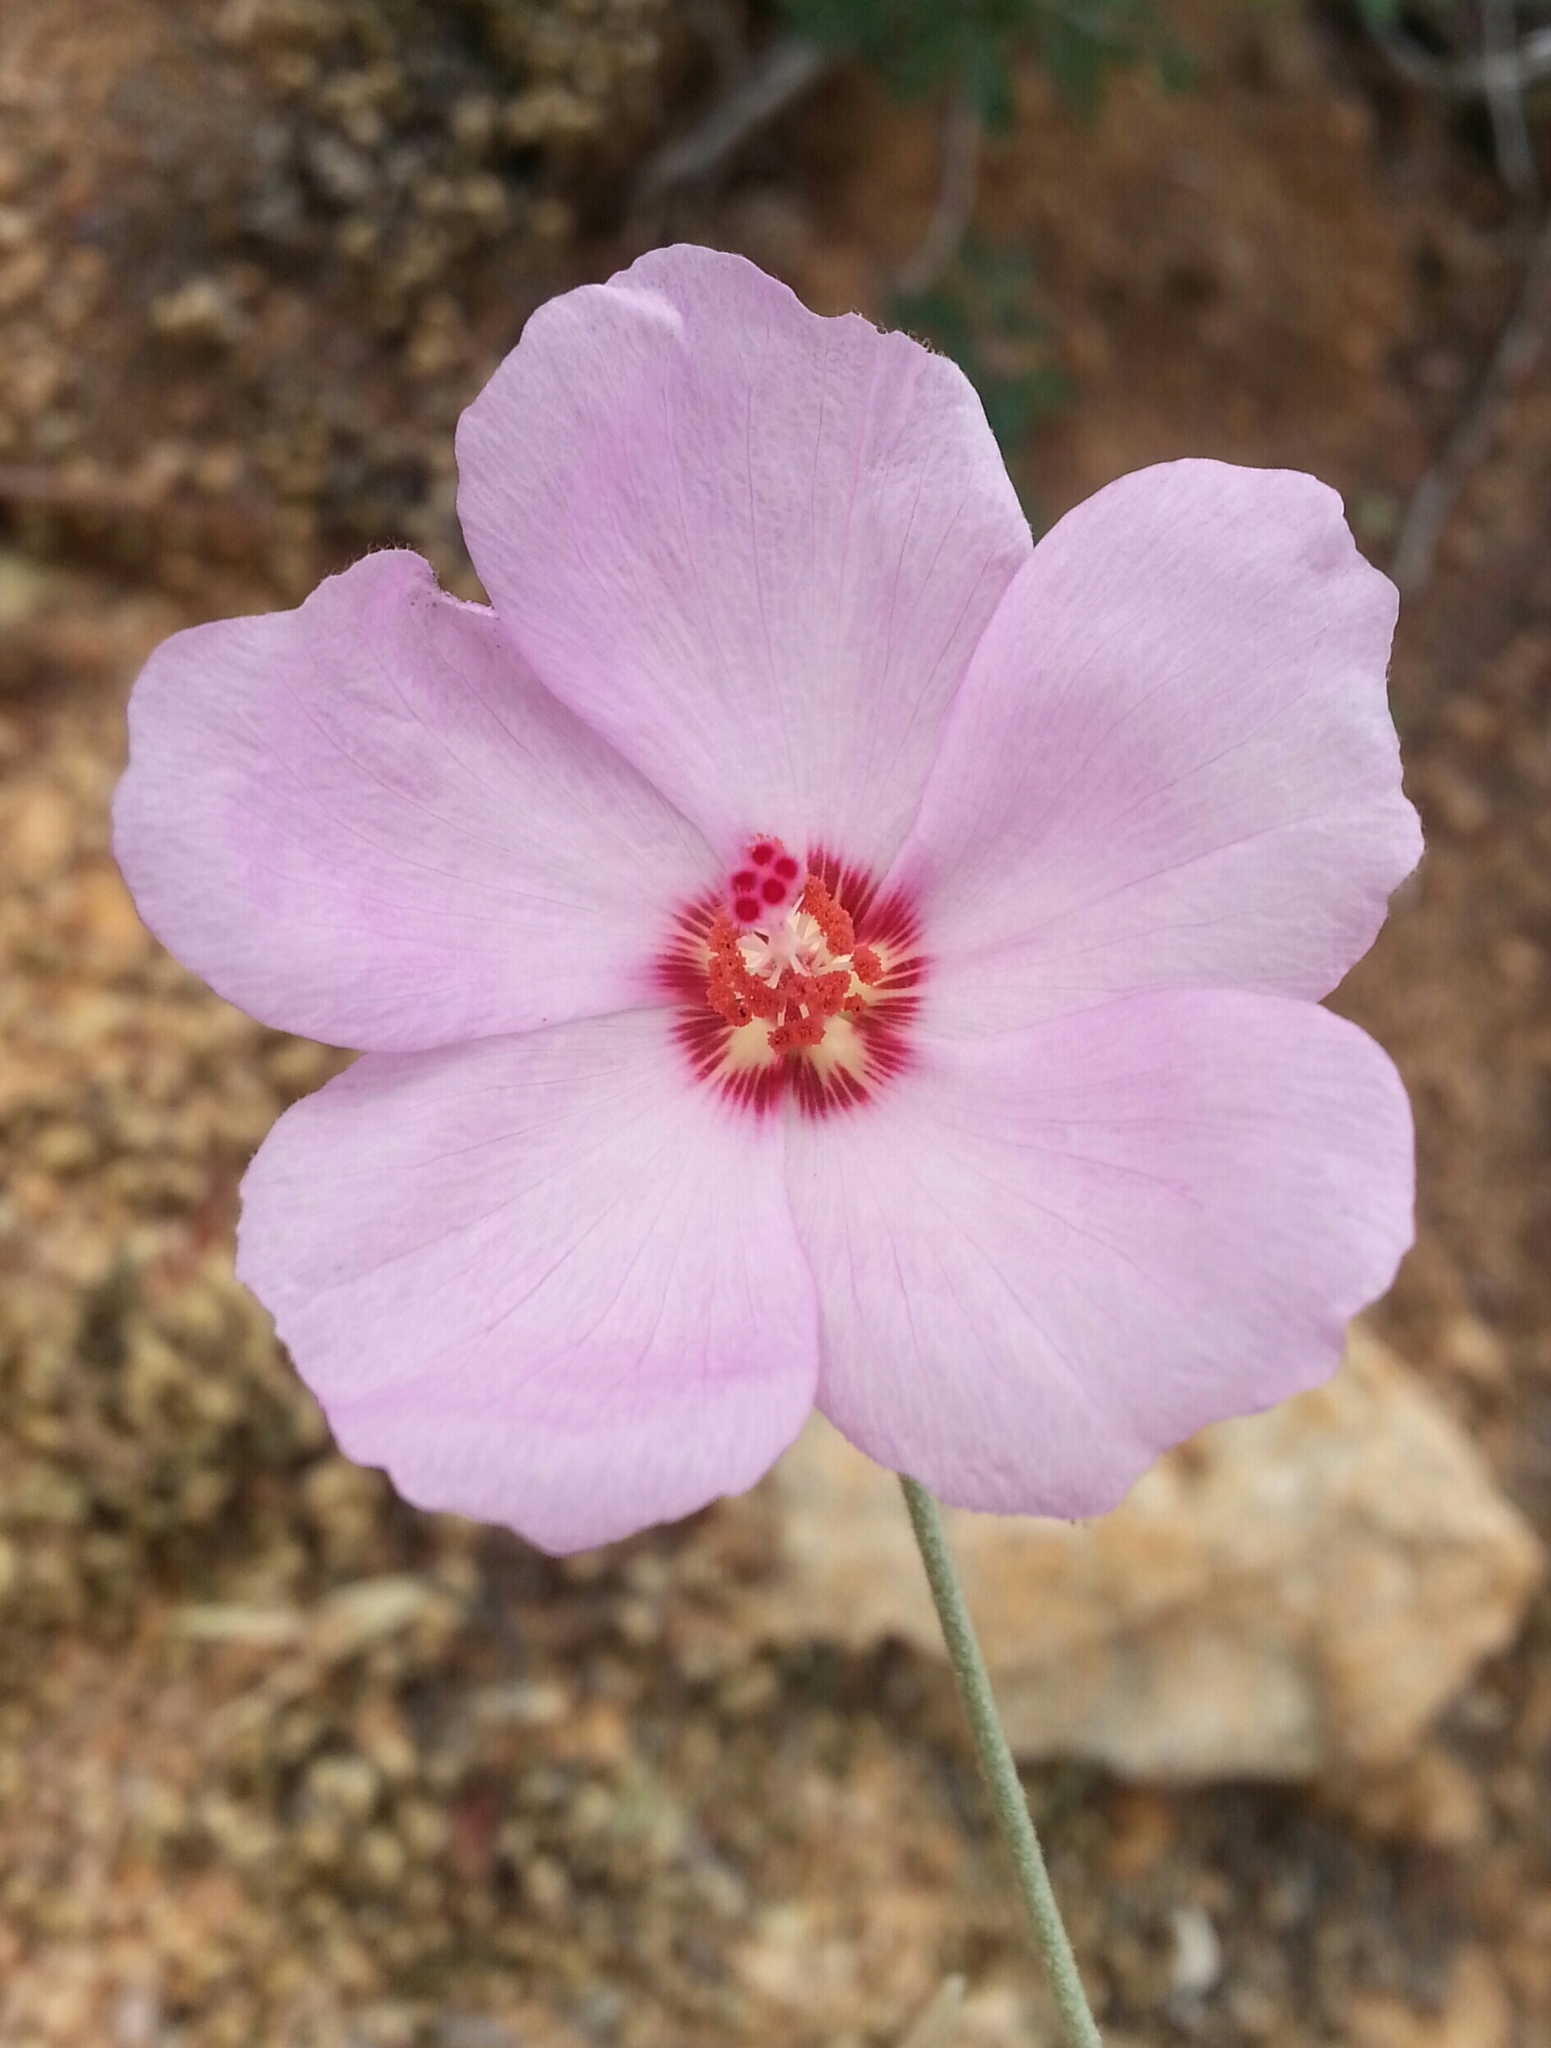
(1001, 1773)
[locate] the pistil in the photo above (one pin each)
(794, 979)
(796, 974)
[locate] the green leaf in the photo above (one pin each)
(919, 46)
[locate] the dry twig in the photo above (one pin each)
(1505, 100)
(1465, 78)
(1518, 349)
(147, 497)
(34, 483)
(785, 71)
(960, 182)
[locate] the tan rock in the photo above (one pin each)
(1475, 2012)
(1527, 1957)
(1429, 1798)
(1290, 1595)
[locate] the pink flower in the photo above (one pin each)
(808, 943)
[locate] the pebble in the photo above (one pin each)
(1196, 1967)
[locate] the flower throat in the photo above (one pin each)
(795, 980)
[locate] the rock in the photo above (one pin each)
(25, 587)
(1290, 1595)
(1196, 1966)
(1527, 1956)
(202, 310)
(1429, 1798)
(938, 2025)
(1475, 2012)
(356, 1616)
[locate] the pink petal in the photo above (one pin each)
(547, 1281)
(752, 547)
(365, 821)
(1172, 762)
(1043, 1258)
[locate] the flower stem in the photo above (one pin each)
(1001, 1773)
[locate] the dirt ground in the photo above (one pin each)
(284, 1762)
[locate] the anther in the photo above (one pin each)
(839, 932)
(775, 972)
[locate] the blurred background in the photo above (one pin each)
(282, 1761)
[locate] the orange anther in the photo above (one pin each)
(832, 921)
(731, 991)
(798, 1031)
(829, 991)
(796, 1002)
(760, 984)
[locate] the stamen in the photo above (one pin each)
(731, 991)
(796, 973)
(832, 921)
(782, 996)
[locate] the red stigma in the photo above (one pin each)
(764, 885)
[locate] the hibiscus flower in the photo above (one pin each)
(808, 944)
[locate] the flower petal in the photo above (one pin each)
(1045, 1257)
(365, 821)
(548, 1281)
(753, 547)
(1172, 762)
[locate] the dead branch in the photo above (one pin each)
(1518, 349)
(26, 483)
(785, 71)
(959, 184)
(1464, 78)
(1505, 101)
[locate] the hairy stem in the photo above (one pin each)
(1001, 1773)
